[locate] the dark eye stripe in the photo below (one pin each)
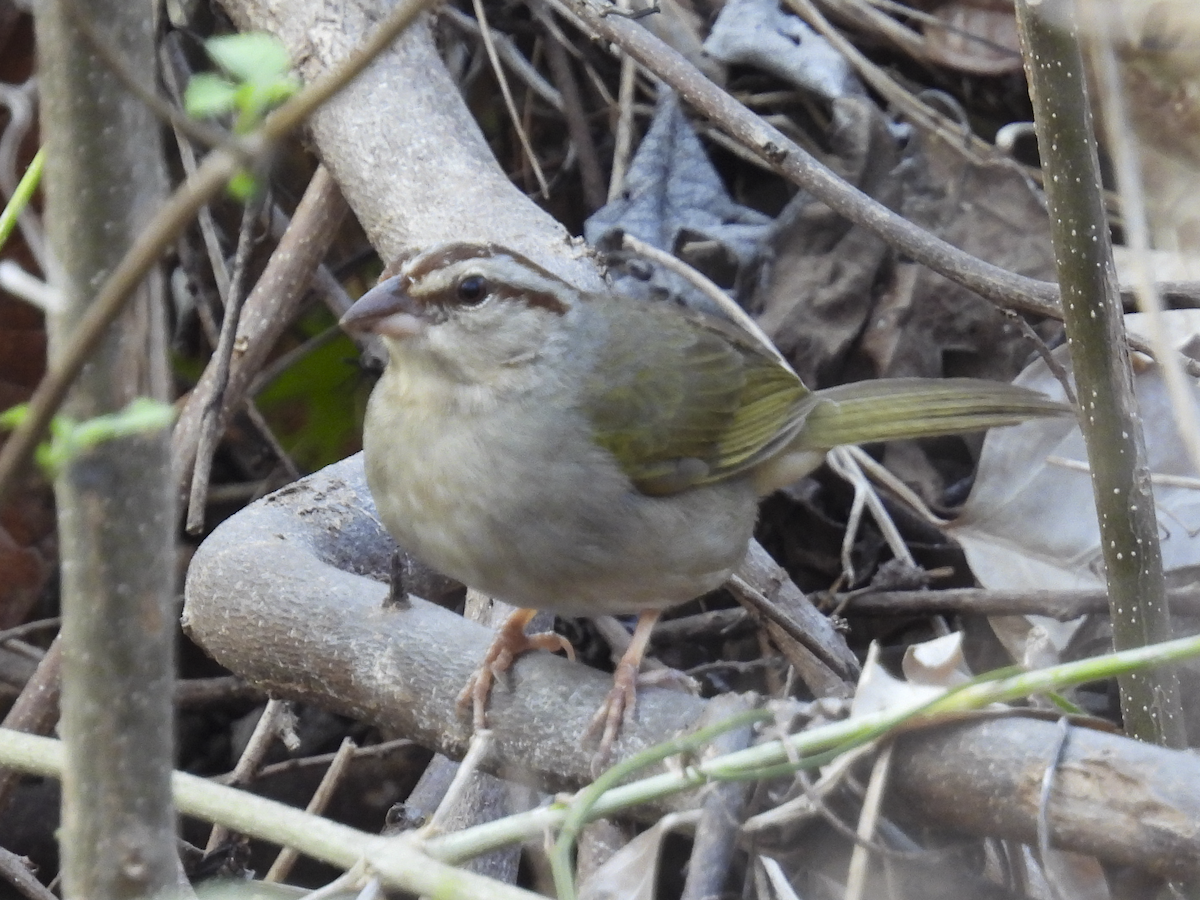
(539, 299)
(529, 280)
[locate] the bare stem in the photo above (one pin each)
(1092, 313)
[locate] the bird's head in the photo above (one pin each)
(474, 311)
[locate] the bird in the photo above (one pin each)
(591, 453)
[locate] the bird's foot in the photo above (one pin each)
(621, 702)
(509, 643)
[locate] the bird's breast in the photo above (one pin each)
(517, 500)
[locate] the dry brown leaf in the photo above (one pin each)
(980, 37)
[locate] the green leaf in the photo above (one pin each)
(249, 57)
(69, 438)
(208, 95)
(279, 90)
(242, 186)
(14, 416)
(140, 416)
(315, 404)
(259, 79)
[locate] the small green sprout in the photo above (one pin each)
(21, 196)
(257, 78)
(69, 438)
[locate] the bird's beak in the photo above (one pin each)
(386, 309)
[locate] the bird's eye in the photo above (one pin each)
(472, 289)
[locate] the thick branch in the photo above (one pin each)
(287, 593)
(1112, 798)
(401, 143)
(104, 172)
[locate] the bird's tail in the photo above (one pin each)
(894, 408)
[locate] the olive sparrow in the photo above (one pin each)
(589, 453)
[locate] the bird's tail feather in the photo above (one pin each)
(896, 408)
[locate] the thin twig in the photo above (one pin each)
(35, 710)
(960, 139)
(778, 880)
(856, 880)
(489, 45)
(13, 214)
(623, 133)
(481, 742)
(1160, 478)
(282, 867)
(812, 802)
(174, 66)
(791, 161)
(267, 312)
(20, 100)
(285, 361)
(1046, 354)
(265, 732)
(705, 625)
(191, 693)
(1052, 764)
(577, 125)
(353, 879)
(754, 599)
(941, 24)
(325, 283)
(845, 463)
(28, 287)
(23, 631)
(912, 42)
(509, 55)
(885, 478)
(1043, 812)
(324, 759)
(15, 870)
(1061, 605)
(207, 446)
(263, 427)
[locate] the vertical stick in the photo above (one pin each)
(1096, 337)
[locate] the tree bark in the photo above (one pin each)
(104, 178)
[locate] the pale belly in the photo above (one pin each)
(546, 519)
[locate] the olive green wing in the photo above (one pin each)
(685, 400)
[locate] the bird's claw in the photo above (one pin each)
(509, 643)
(621, 703)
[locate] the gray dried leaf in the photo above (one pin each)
(673, 196)
(814, 279)
(758, 33)
(1030, 522)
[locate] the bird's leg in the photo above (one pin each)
(622, 698)
(509, 643)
